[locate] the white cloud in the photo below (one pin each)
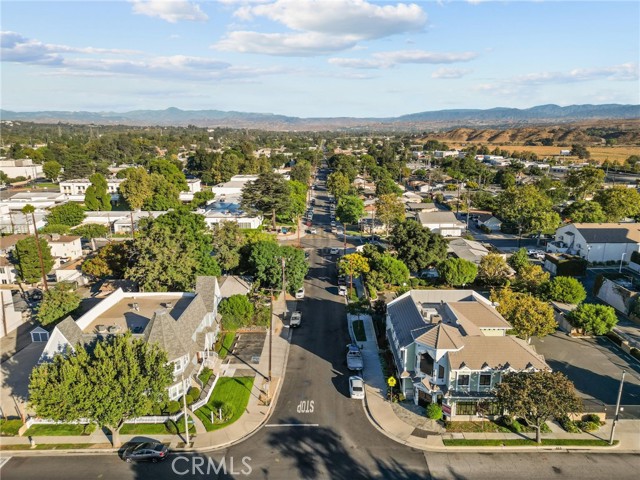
(297, 44)
(390, 59)
(169, 10)
(623, 72)
(322, 26)
(450, 73)
(104, 62)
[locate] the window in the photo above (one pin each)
(463, 380)
(466, 408)
(485, 379)
(440, 371)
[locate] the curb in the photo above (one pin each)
(109, 451)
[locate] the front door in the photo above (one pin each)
(424, 398)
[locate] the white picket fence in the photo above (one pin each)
(203, 401)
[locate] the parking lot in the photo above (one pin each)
(595, 366)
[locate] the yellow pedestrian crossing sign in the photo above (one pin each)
(391, 381)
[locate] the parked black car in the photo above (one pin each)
(146, 452)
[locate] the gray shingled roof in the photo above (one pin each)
(71, 331)
(169, 334)
(438, 217)
(206, 288)
(233, 285)
(609, 232)
(496, 352)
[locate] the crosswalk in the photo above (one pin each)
(4, 460)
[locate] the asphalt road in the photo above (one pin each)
(330, 438)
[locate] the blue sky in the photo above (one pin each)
(317, 58)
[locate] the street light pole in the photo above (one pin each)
(615, 418)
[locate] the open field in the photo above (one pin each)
(617, 154)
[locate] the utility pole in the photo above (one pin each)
(270, 332)
(284, 289)
(615, 418)
(133, 232)
(186, 417)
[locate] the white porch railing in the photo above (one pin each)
(205, 400)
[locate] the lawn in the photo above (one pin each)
(358, 331)
(227, 342)
(10, 427)
(56, 446)
(57, 429)
(526, 443)
(492, 426)
(232, 391)
(155, 428)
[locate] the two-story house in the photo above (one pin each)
(450, 347)
(185, 325)
(597, 242)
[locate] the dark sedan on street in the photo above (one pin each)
(146, 452)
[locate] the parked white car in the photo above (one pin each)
(354, 358)
(334, 251)
(356, 387)
(296, 319)
(300, 293)
(342, 290)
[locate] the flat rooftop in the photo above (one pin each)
(135, 313)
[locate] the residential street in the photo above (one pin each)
(317, 431)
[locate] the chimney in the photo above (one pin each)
(435, 319)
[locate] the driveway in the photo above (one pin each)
(245, 356)
(14, 373)
(595, 366)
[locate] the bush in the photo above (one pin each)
(171, 427)
(188, 398)
(156, 409)
(591, 417)
(507, 420)
(173, 407)
(589, 426)
(434, 411)
(223, 409)
(485, 229)
(568, 425)
(205, 375)
(194, 393)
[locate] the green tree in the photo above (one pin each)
(297, 200)
(528, 315)
(137, 188)
(353, 265)
(390, 210)
(519, 260)
(25, 257)
(350, 209)
(392, 270)
(269, 194)
(338, 184)
(200, 199)
(265, 263)
(97, 198)
(580, 151)
(70, 214)
(566, 290)
(584, 181)
(528, 208)
(165, 195)
(51, 170)
(584, 211)
(458, 271)
(296, 267)
(595, 319)
(301, 172)
(119, 379)
(531, 278)
(237, 311)
(417, 246)
(91, 231)
(170, 251)
(493, 270)
(618, 202)
(54, 228)
(386, 186)
(227, 240)
(538, 397)
(57, 303)
(170, 172)
(112, 260)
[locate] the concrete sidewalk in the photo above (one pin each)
(383, 417)
(256, 414)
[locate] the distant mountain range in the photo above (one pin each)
(494, 117)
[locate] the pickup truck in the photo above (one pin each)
(296, 319)
(354, 358)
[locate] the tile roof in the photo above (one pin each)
(609, 232)
(496, 352)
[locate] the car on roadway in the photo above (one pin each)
(342, 290)
(334, 251)
(300, 293)
(354, 357)
(296, 319)
(356, 387)
(339, 231)
(146, 452)
(312, 230)
(333, 223)
(539, 254)
(342, 279)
